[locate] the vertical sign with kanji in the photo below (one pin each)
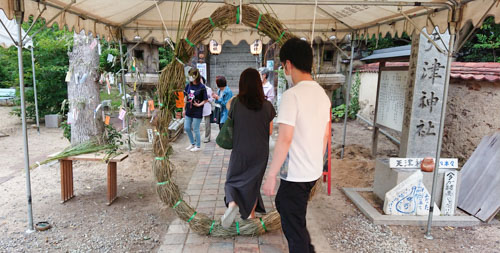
(449, 193)
(427, 74)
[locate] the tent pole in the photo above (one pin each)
(25, 130)
(348, 93)
(440, 134)
(34, 90)
(124, 86)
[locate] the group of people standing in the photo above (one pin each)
(200, 101)
(303, 133)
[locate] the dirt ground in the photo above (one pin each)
(137, 220)
(347, 230)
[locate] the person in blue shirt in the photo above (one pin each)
(222, 97)
(195, 96)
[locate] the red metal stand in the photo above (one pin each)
(328, 174)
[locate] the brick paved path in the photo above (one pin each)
(205, 192)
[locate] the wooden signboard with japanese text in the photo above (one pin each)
(391, 98)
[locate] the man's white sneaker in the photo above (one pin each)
(195, 149)
(190, 147)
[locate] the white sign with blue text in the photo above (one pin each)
(414, 163)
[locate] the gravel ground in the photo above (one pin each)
(358, 234)
(135, 222)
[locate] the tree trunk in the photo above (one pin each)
(83, 91)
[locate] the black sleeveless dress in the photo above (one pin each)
(249, 157)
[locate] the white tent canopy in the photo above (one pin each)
(11, 25)
(141, 17)
(156, 20)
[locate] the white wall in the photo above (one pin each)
(367, 94)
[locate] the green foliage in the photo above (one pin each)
(104, 65)
(166, 56)
(66, 130)
(484, 46)
(111, 135)
(114, 96)
(354, 105)
(338, 112)
(386, 42)
(51, 64)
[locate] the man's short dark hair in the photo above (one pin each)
(299, 53)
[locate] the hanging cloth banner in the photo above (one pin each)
(93, 44)
(68, 76)
(71, 118)
(151, 107)
(96, 110)
(108, 86)
(122, 114)
(101, 79)
(112, 78)
(179, 102)
(109, 58)
(84, 77)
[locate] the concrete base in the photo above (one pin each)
(381, 219)
(52, 121)
(145, 145)
(143, 124)
(387, 178)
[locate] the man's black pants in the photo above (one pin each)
(291, 203)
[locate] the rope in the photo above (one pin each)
(211, 227)
(176, 204)
(238, 15)
(281, 36)
(189, 42)
(192, 216)
(258, 22)
(165, 26)
(263, 225)
(314, 22)
(163, 183)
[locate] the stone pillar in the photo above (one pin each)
(424, 95)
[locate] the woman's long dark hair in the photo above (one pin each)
(251, 93)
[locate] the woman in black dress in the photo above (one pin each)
(252, 115)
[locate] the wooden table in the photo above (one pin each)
(67, 192)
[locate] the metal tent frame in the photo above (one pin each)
(452, 6)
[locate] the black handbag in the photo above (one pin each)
(215, 116)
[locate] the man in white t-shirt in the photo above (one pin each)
(266, 85)
(303, 118)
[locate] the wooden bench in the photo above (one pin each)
(67, 192)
